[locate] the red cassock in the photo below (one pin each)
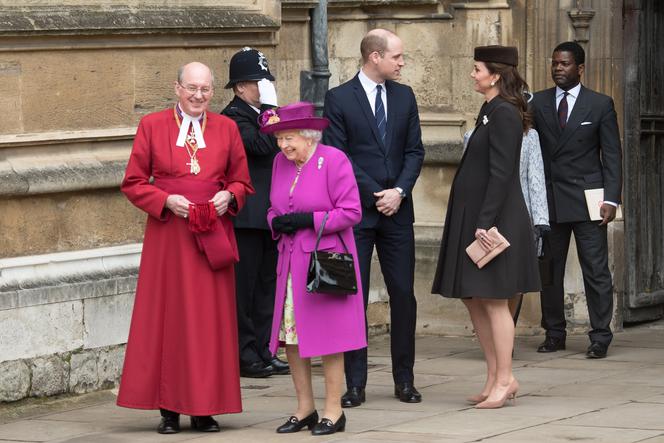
(182, 352)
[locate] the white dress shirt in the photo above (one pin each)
(369, 87)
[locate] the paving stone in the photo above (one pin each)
(604, 366)
(542, 377)
(649, 376)
(374, 436)
(44, 430)
(556, 433)
(659, 398)
(470, 424)
(631, 415)
(600, 390)
(105, 413)
(133, 435)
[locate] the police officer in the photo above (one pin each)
(255, 274)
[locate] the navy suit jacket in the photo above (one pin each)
(584, 155)
(396, 162)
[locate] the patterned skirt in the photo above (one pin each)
(287, 332)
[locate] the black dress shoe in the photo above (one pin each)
(407, 393)
(170, 424)
(326, 427)
(597, 350)
(353, 397)
(204, 423)
(257, 369)
(551, 344)
(295, 425)
(279, 367)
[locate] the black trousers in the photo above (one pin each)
(255, 284)
(593, 251)
(395, 245)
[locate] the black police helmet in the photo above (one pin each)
(248, 64)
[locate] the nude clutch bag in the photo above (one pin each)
(480, 256)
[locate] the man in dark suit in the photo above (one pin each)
(581, 150)
(255, 273)
(375, 121)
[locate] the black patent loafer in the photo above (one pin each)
(204, 423)
(407, 393)
(326, 427)
(353, 397)
(597, 350)
(295, 425)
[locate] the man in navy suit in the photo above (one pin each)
(581, 150)
(375, 121)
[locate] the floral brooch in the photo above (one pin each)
(268, 117)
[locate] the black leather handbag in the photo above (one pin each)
(331, 272)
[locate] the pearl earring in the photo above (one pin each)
(493, 83)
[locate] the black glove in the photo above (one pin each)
(302, 220)
(289, 223)
(282, 224)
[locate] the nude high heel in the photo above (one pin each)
(475, 399)
(510, 394)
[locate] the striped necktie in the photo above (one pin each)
(381, 123)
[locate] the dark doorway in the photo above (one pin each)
(644, 159)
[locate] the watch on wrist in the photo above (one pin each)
(401, 192)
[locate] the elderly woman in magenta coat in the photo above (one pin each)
(310, 179)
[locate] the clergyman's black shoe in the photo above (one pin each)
(326, 427)
(257, 369)
(279, 367)
(407, 393)
(551, 344)
(353, 397)
(597, 350)
(204, 423)
(295, 425)
(170, 423)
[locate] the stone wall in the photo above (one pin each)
(75, 372)
(64, 319)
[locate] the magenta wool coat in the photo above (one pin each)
(325, 324)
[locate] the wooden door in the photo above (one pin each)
(644, 159)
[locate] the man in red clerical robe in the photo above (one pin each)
(181, 355)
